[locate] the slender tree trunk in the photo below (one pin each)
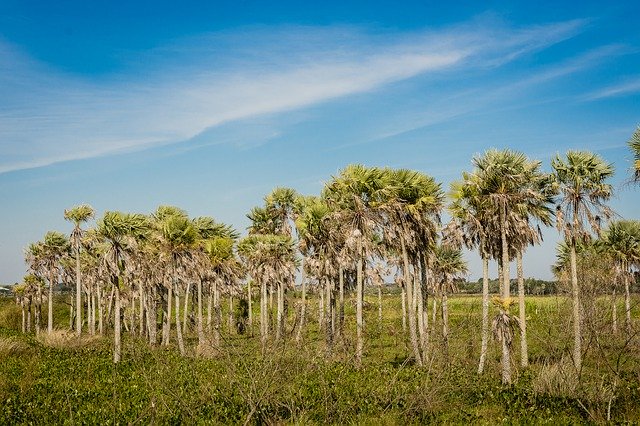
(303, 307)
(485, 313)
(423, 317)
(178, 325)
(380, 304)
(217, 312)
(24, 316)
(166, 329)
(408, 280)
(210, 307)
(359, 301)
(71, 317)
(524, 352)
(249, 299)
(627, 299)
(577, 317)
(230, 316)
(341, 302)
(506, 355)
(404, 307)
(321, 308)
(422, 331)
(29, 317)
(116, 324)
(434, 314)
(264, 326)
(614, 311)
(445, 322)
(50, 314)
(185, 315)
(100, 311)
(142, 311)
(78, 294)
(38, 309)
(329, 315)
(200, 327)
(279, 309)
(152, 317)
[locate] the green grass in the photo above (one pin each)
(72, 381)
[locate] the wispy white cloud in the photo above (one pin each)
(622, 89)
(179, 91)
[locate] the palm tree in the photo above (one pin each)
(581, 181)
(34, 256)
(411, 203)
(514, 188)
(448, 266)
(352, 197)
(78, 215)
(268, 258)
(622, 241)
(470, 225)
(634, 144)
(54, 246)
(120, 231)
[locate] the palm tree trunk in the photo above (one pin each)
(303, 307)
(38, 309)
(614, 310)
(185, 315)
(445, 322)
(142, 311)
(29, 316)
(328, 316)
(341, 302)
(321, 309)
(422, 331)
(217, 312)
(50, 313)
(485, 313)
(359, 301)
(408, 280)
(524, 353)
(24, 316)
(380, 304)
(249, 299)
(404, 307)
(178, 326)
(575, 292)
(279, 309)
(506, 356)
(627, 299)
(210, 307)
(264, 326)
(152, 317)
(230, 315)
(116, 324)
(71, 317)
(423, 317)
(200, 328)
(78, 295)
(100, 311)
(166, 329)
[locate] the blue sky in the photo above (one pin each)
(208, 106)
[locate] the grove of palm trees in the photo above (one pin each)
(338, 307)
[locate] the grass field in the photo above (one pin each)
(67, 380)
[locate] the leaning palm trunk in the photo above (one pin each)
(485, 313)
(524, 353)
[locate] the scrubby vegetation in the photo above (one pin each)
(63, 378)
